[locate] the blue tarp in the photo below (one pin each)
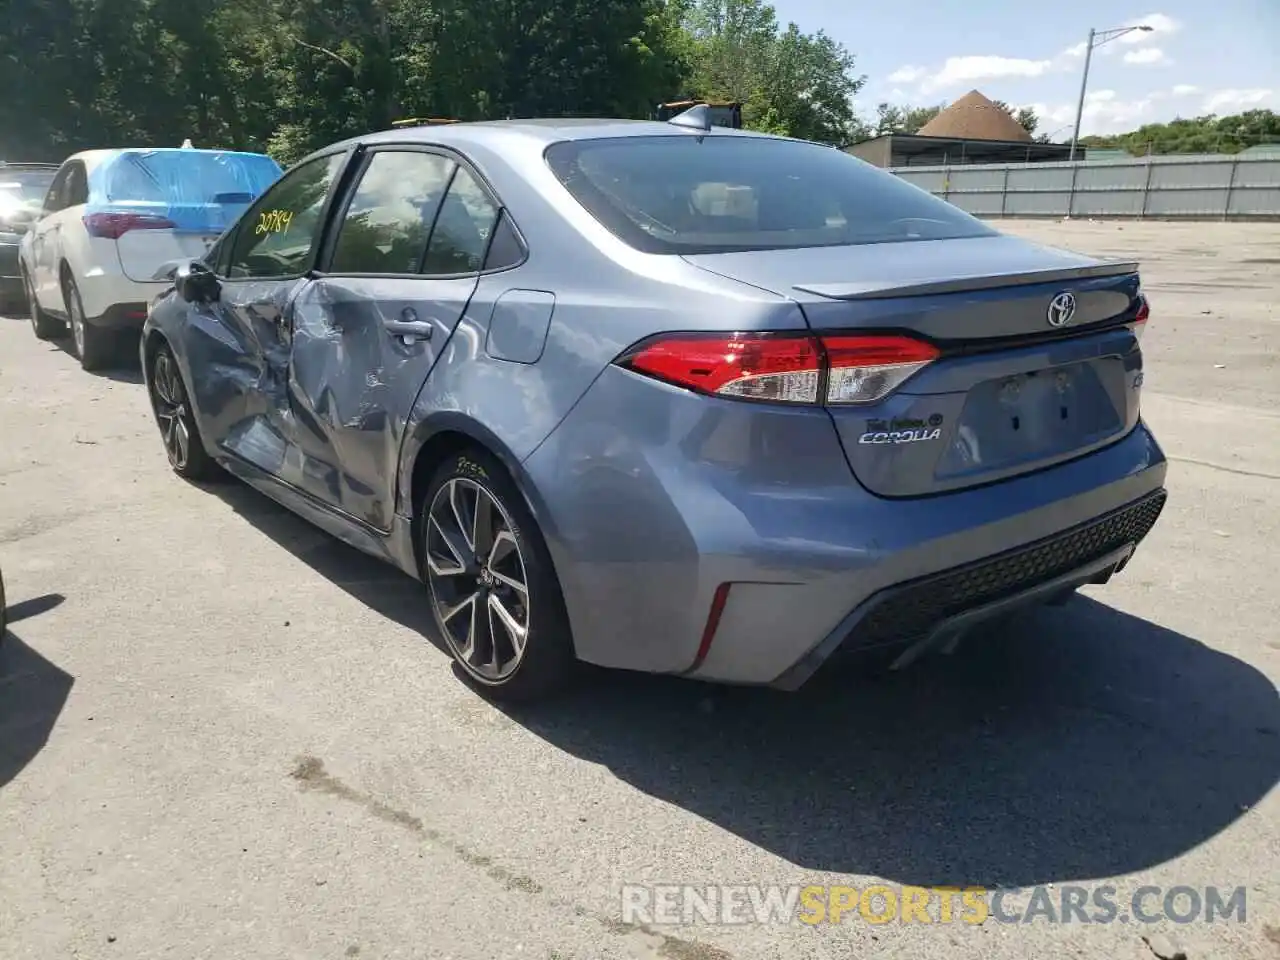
(199, 190)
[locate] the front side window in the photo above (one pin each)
(276, 237)
(386, 225)
(715, 194)
(461, 235)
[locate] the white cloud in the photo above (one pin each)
(1146, 56)
(1234, 101)
(1104, 112)
(907, 74)
(1076, 51)
(959, 71)
(1159, 24)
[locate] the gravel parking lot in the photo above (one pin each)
(225, 735)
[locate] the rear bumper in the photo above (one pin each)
(113, 300)
(121, 316)
(659, 506)
(930, 611)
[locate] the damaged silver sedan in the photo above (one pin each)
(665, 397)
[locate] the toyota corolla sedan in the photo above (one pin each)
(665, 397)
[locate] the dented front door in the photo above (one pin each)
(366, 334)
(241, 343)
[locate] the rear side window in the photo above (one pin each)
(506, 250)
(55, 197)
(686, 194)
(461, 235)
(390, 215)
(77, 189)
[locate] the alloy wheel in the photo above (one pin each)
(169, 398)
(477, 577)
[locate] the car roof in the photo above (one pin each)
(540, 132)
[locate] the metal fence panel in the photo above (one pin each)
(1208, 186)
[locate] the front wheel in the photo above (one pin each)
(179, 431)
(493, 591)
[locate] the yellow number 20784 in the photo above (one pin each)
(274, 221)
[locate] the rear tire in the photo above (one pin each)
(493, 591)
(179, 431)
(43, 325)
(94, 346)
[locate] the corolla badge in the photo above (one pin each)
(1062, 308)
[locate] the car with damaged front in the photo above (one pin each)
(664, 397)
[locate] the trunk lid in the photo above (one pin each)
(195, 228)
(1010, 393)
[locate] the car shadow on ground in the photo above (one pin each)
(33, 692)
(1076, 742)
(379, 586)
(125, 369)
(125, 366)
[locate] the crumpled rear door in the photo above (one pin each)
(362, 349)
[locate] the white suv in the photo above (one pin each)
(111, 220)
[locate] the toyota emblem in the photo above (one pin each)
(1062, 308)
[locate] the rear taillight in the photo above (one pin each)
(1140, 318)
(783, 367)
(112, 226)
(866, 369)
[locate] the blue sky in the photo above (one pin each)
(1221, 57)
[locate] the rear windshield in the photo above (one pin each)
(187, 177)
(28, 186)
(716, 194)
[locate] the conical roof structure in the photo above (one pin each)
(974, 117)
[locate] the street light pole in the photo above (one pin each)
(1084, 83)
(1096, 39)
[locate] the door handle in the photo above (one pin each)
(409, 329)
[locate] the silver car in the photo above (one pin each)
(663, 396)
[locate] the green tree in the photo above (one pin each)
(291, 75)
(788, 81)
(1206, 134)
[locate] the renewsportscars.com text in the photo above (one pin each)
(680, 904)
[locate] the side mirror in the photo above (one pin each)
(196, 283)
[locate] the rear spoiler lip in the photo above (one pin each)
(883, 290)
